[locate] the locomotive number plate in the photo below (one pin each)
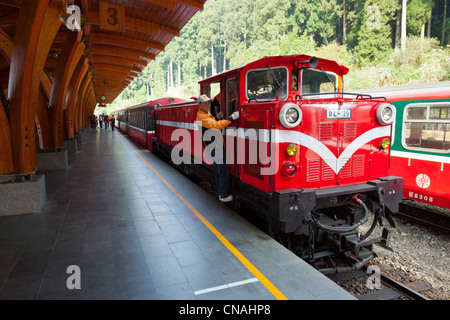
(339, 113)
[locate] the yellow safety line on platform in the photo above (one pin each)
(222, 239)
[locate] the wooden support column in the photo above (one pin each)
(22, 107)
(72, 90)
(41, 83)
(72, 52)
(86, 112)
(78, 102)
(48, 32)
(6, 156)
(43, 122)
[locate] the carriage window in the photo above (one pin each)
(316, 81)
(427, 127)
(440, 113)
(265, 84)
(416, 113)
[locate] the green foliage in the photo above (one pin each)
(418, 13)
(374, 34)
(230, 33)
(423, 61)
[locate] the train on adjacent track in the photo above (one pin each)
(308, 157)
(420, 150)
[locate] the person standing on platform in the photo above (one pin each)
(106, 121)
(112, 120)
(207, 121)
(100, 120)
(92, 120)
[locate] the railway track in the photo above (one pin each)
(356, 282)
(377, 285)
(428, 217)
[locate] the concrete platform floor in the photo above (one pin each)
(130, 236)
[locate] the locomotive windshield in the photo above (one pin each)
(318, 81)
(266, 84)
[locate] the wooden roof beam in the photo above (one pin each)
(12, 3)
(193, 4)
(106, 74)
(9, 20)
(120, 41)
(132, 24)
(171, 4)
(112, 67)
(108, 81)
(111, 87)
(117, 60)
(118, 52)
(104, 82)
(108, 94)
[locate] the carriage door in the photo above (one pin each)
(228, 107)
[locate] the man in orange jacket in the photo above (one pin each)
(221, 172)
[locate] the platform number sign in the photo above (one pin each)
(112, 16)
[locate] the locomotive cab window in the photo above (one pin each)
(318, 81)
(427, 127)
(267, 84)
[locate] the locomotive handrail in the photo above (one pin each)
(270, 154)
(358, 95)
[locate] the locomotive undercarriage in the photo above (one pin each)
(321, 226)
(326, 225)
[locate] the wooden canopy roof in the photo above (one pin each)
(121, 37)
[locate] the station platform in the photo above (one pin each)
(122, 224)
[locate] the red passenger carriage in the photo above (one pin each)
(421, 148)
(137, 121)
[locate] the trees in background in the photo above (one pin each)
(361, 34)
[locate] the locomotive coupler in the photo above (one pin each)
(381, 210)
(361, 248)
(347, 229)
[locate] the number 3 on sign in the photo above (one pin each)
(112, 16)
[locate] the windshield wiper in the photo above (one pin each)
(273, 76)
(326, 74)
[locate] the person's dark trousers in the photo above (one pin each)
(221, 173)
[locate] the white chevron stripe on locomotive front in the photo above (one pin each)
(290, 136)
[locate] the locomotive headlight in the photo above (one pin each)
(290, 115)
(385, 113)
(291, 150)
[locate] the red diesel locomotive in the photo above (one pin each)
(310, 158)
